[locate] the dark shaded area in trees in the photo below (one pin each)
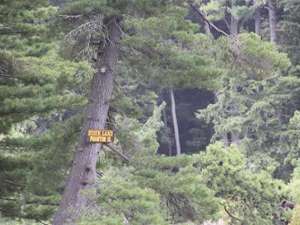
(59, 3)
(194, 133)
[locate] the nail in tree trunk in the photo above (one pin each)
(257, 19)
(175, 123)
(272, 20)
(80, 189)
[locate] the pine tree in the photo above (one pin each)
(290, 35)
(123, 54)
(226, 172)
(255, 113)
(38, 88)
(296, 196)
(170, 56)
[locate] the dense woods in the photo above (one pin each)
(203, 98)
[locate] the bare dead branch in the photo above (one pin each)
(40, 221)
(198, 11)
(124, 157)
(70, 16)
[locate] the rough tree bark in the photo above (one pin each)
(272, 20)
(80, 188)
(175, 123)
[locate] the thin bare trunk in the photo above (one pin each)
(257, 19)
(175, 123)
(272, 20)
(169, 143)
(206, 26)
(226, 138)
(233, 26)
(80, 189)
(207, 29)
(235, 138)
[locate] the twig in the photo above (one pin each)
(6, 76)
(70, 16)
(12, 182)
(9, 199)
(229, 214)
(40, 221)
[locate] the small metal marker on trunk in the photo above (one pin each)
(103, 69)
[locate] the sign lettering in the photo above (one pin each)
(100, 136)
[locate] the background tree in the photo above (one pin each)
(38, 88)
(290, 25)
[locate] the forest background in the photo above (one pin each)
(203, 97)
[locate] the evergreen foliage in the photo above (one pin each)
(249, 197)
(291, 29)
(38, 89)
(251, 166)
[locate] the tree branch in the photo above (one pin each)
(206, 20)
(13, 183)
(229, 214)
(124, 157)
(10, 31)
(40, 221)
(70, 16)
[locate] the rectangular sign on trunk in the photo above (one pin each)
(100, 136)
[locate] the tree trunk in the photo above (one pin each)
(233, 26)
(257, 20)
(235, 138)
(80, 189)
(207, 29)
(175, 123)
(169, 142)
(206, 26)
(272, 20)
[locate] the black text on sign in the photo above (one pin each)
(100, 136)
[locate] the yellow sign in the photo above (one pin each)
(100, 136)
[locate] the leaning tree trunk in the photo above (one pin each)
(80, 188)
(272, 20)
(175, 123)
